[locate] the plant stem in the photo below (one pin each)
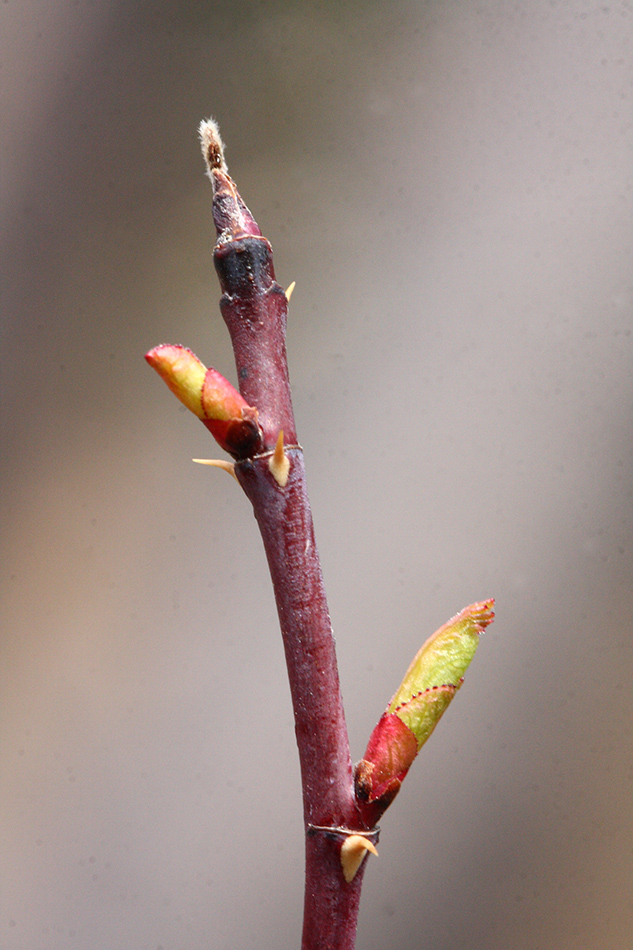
(257, 427)
(254, 307)
(285, 522)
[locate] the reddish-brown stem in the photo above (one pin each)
(285, 522)
(254, 307)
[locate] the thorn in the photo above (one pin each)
(218, 463)
(353, 851)
(290, 289)
(279, 463)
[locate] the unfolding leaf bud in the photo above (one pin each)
(429, 685)
(210, 396)
(182, 371)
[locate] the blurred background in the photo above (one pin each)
(450, 185)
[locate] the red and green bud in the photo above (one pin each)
(210, 397)
(433, 678)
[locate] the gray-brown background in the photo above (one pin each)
(450, 184)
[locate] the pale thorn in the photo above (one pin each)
(279, 463)
(218, 463)
(212, 146)
(353, 851)
(290, 289)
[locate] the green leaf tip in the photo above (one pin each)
(440, 664)
(433, 678)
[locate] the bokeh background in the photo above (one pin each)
(450, 184)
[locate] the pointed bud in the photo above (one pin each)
(230, 214)
(429, 685)
(182, 371)
(210, 396)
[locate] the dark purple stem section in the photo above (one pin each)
(255, 310)
(254, 307)
(285, 521)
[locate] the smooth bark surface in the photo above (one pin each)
(285, 521)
